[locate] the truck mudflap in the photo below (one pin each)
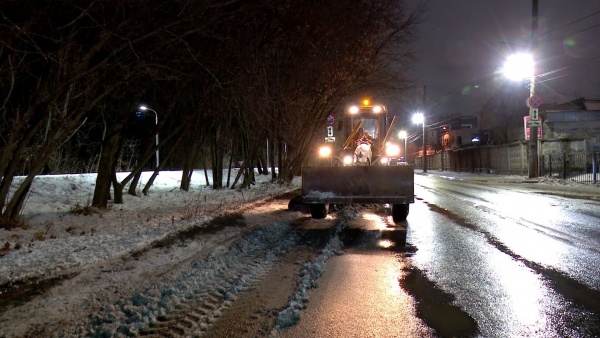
(358, 184)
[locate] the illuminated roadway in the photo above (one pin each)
(478, 256)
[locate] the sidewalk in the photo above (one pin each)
(544, 185)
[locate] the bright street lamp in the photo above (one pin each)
(403, 135)
(144, 108)
(419, 118)
(518, 67)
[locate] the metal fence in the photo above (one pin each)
(512, 159)
(578, 167)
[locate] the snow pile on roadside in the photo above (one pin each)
(311, 272)
(214, 281)
(56, 241)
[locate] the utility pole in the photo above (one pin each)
(533, 129)
(424, 135)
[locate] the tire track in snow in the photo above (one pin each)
(196, 297)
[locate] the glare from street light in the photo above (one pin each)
(418, 118)
(518, 67)
(402, 134)
(143, 108)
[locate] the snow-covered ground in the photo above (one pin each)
(55, 239)
(124, 294)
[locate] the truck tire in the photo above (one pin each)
(319, 211)
(400, 212)
(295, 204)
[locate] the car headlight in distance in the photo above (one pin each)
(347, 160)
(325, 151)
(384, 160)
(392, 150)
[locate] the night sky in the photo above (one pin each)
(462, 43)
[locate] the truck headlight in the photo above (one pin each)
(325, 151)
(392, 150)
(348, 160)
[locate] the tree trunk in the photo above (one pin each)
(189, 165)
(186, 177)
(186, 173)
(117, 189)
(259, 166)
(13, 209)
(239, 174)
(15, 205)
(12, 152)
(272, 160)
(110, 147)
(280, 158)
(150, 182)
(264, 170)
(230, 164)
(134, 182)
(157, 170)
(217, 163)
(205, 171)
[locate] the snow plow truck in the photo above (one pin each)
(359, 164)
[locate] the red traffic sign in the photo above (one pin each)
(330, 120)
(535, 101)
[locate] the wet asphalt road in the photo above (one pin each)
(474, 259)
(519, 263)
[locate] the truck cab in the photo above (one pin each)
(365, 123)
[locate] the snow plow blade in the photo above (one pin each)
(358, 184)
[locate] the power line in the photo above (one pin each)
(573, 33)
(570, 23)
(554, 78)
(552, 72)
(564, 68)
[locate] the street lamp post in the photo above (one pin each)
(144, 108)
(403, 135)
(419, 118)
(522, 66)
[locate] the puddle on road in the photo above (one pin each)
(435, 306)
(393, 240)
(374, 231)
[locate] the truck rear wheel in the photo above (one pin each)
(400, 212)
(319, 211)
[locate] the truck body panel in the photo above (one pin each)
(358, 184)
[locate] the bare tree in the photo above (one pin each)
(224, 74)
(50, 90)
(504, 112)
